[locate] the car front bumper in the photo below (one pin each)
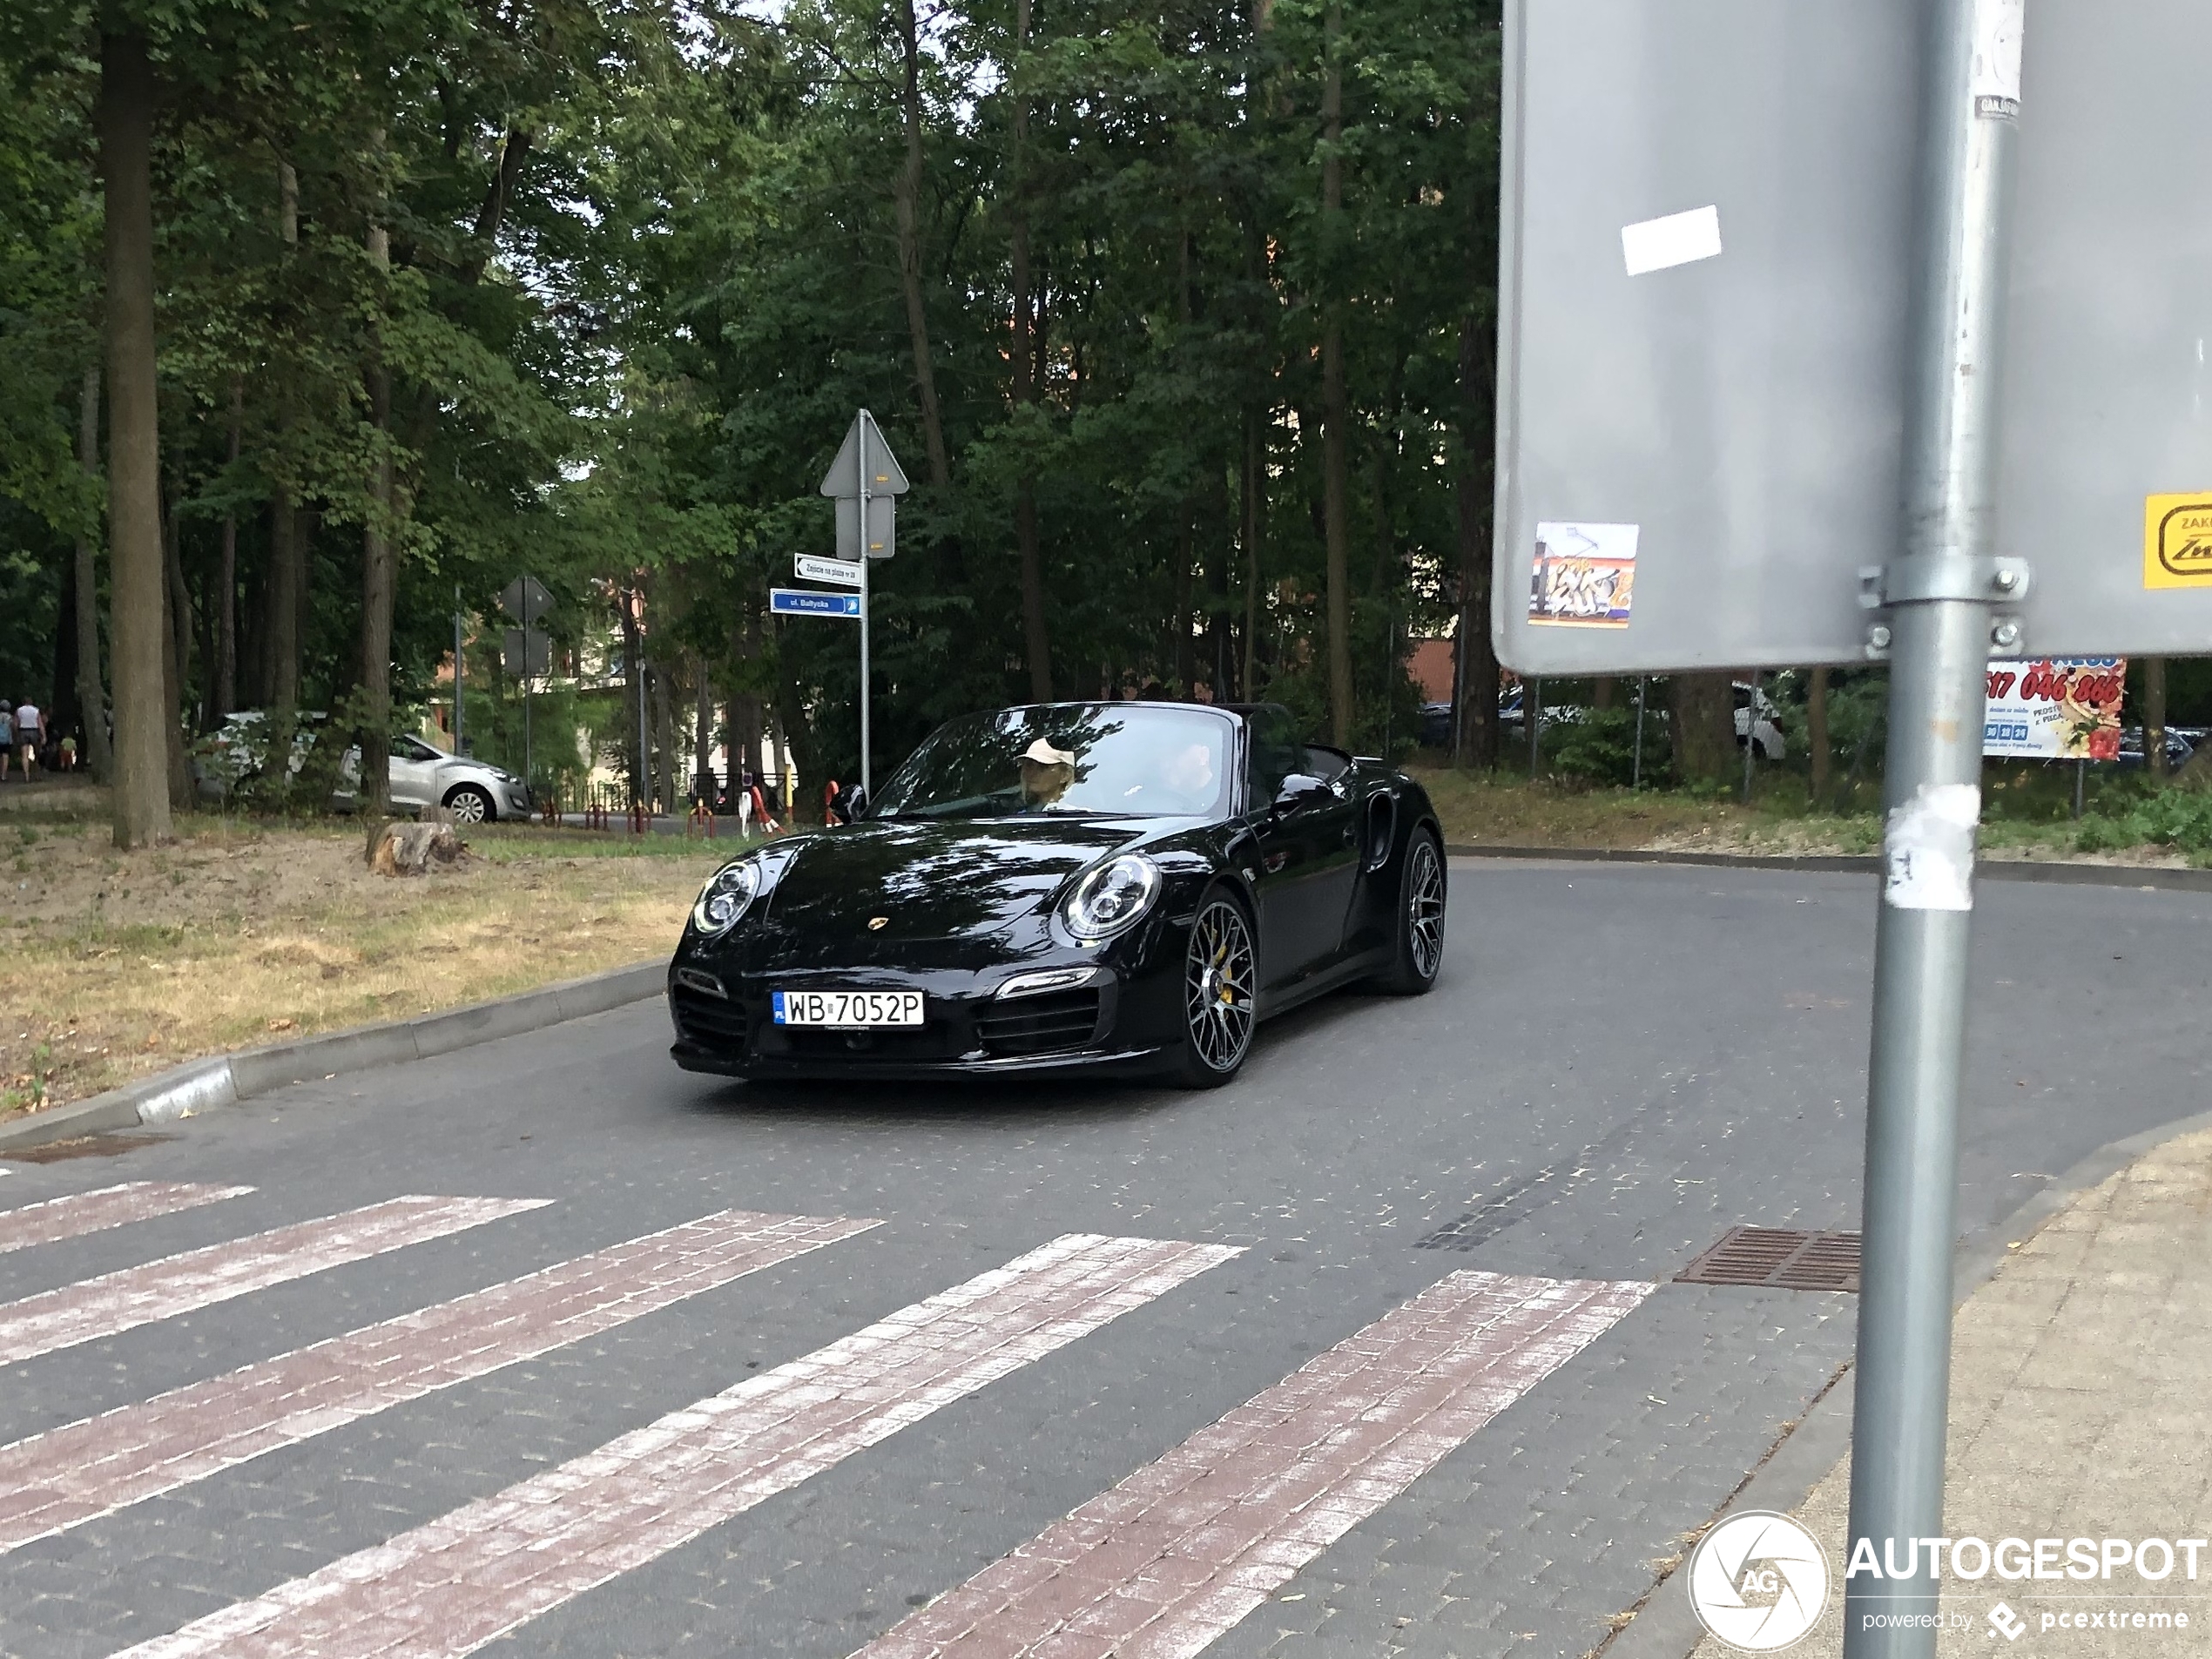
(1110, 1026)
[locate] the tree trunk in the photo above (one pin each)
(907, 206)
(1475, 659)
(141, 800)
(2155, 716)
(91, 700)
(1335, 408)
(634, 704)
(1254, 513)
(284, 585)
(1702, 709)
(1605, 692)
(175, 665)
(378, 571)
(1817, 747)
(224, 692)
(1036, 642)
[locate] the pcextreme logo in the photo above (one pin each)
(1758, 1582)
(2177, 542)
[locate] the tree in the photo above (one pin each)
(136, 576)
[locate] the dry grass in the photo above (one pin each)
(114, 965)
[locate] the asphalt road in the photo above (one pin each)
(1617, 1065)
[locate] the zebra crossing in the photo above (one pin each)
(1163, 1562)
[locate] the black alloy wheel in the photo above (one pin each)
(1421, 918)
(1220, 972)
(469, 804)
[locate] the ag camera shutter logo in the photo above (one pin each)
(1758, 1582)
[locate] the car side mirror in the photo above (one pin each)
(854, 803)
(1298, 790)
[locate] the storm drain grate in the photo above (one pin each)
(1787, 1257)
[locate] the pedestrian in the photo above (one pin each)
(68, 752)
(30, 729)
(7, 735)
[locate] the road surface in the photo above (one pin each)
(546, 1348)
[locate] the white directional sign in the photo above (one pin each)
(846, 572)
(804, 601)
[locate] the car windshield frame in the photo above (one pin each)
(1132, 761)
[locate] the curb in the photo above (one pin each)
(184, 1090)
(2086, 875)
(1664, 1626)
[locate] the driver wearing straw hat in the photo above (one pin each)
(1046, 773)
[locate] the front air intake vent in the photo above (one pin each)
(1038, 1024)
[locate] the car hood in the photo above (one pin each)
(941, 892)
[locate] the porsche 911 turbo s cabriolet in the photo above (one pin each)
(1094, 886)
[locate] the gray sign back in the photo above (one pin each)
(1746, 411)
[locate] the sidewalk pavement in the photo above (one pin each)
(2080, 1407)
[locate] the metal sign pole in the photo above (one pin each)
(526, 681)
(863, 447)
(456, 670)
(1939, 594)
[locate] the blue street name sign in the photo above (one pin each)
(806, 602)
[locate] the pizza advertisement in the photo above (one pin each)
(2055, 708)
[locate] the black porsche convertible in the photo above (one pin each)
(1102, 886)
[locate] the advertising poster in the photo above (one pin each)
(2055, 708)
(1584, 575)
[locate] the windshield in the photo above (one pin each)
(1116, 759)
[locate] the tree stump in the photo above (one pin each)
(411, 849)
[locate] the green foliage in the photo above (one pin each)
(2178, 819)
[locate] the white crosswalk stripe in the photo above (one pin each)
(78, 1213)
(161, 1290)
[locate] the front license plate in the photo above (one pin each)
(851, 1009)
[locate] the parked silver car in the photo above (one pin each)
(421, 777)
(472, 791)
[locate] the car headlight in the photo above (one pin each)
(725, 896)
(1110, 898)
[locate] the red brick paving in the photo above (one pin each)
(199, 1278)
(1185, 1549)
(57, 1480)
(450, 1586)
(103, 1207)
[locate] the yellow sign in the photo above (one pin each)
(2177, 541)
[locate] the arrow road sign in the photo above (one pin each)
(806, 601)
(844, 477)
(846, 572)
(526, 600)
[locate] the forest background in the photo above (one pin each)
(321, 322)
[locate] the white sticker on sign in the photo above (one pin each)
(1679, 238)
(1996, 74)
(1928, 852)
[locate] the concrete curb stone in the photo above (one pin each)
(184, 1090)
(2089, 875)
(1666, 1628)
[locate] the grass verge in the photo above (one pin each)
(114, 965)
